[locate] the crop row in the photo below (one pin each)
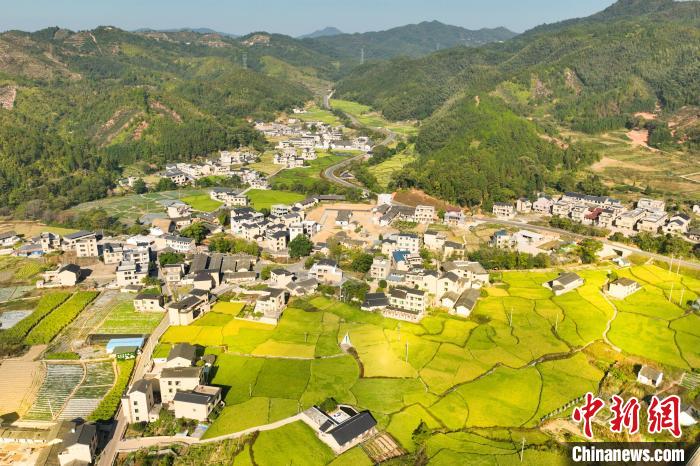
(46, 304)
(63, 315)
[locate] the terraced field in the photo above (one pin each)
(59, 383)
(482, 383)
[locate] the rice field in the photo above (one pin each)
(122, 318)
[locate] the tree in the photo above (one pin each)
(140, 186)
(362, 262)
(300, 246)
(588, 249)
(197, 231)
(165, 184)
(265, 272)
(353, 290)
(170, 258)
(382, 284)
(151, 281)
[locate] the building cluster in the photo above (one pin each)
(647, 215)
(413, 288)
(179, 384)
(525, 241)
(384, 214)
(274, 232)
(310, 135)
(228, 164)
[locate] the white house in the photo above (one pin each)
(622, 287)
(648, 375)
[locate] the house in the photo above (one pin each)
(452, 249)
(341, 429)
(65, 275)
(49, 241)
(564, 283)
(129, 273)
(343, 218)
(379, 269)
(187, 309)
(677, 224)
(689, 415)
(281, 277)
(501, 239)
(408, 242)
(8, 239)
(523, 205)
(172, 273)
(181, 355)
(466, 302)
(148, 302)
(627, 221)
(197, 403)
(424, 214)
(648, 375)
(374, 301)
(652, 205)
(543, 205)
(84, 243)
(434, 240)
(271, 303)
(327, 271)
(138, 404)
(303, 287)
(174, 379)
(179, 244)
(622, 287)
(276, 240)
(406, 304)
(652, 221)
(79, 445)
(504, 210)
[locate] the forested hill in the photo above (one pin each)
(591, 71)
(412, 40)
(77, 107)
(483, 136)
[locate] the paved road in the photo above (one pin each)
(624, 247)
(330, 173)
(147, 442)
(109, 454)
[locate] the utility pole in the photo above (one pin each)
(406, 351)
(245, 60)
(556, 324)
(680, 301)
(250, 390)
(362, 56)
(510, 317)
(522, 450)
(670, 295)
(398, 328)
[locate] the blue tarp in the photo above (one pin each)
(114, 342)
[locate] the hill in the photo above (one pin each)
(325, 32)
(413, 40)
(80, 106)
(591, 74)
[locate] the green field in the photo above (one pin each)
(264, 198)
(305, 176)
(124, 319)
(133, 206)
(458, 376)
(384, 170)
(315, 113)
(367, 117)
(202, 202)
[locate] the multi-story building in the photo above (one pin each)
(129, 273)
(424, 214)
(408, 242)
(327, 271)
(380, 269)
(174, 379)
(138, 404)
(504, 210)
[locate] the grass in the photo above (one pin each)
(383, 171)
(461, 374)
(202, 202)
(367, 117)
(264, 198)
(306, 176)
(292, 444)
(124, 319)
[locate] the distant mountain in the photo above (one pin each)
(413, 40)
(325, 32)
(195, 30)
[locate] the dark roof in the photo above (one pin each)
(141, 385)
(274, 291)
(185, 303)
(624, 281)
(177, 372)
(328, 262)
(148, 296)
(567, 278)
(183, 350)
(192, 397)
(353, 427)
(78, 234)
(70, 268)
(375, 300)
(7, 234)
(468, 298)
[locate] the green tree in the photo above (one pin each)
(362, 262)
(265, 272)
(588, 249)
(140, 186)
(165, 184)
(300, 246)
(170, 258)
(197, 231)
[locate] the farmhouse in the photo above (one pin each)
(343, 218)
(379, 269)
(148, 302)
(342, 428)
(65, 275)
(174, 379)
(622, 287)
(139, 402)
(504, 210)
(196, 404)
(130, 273)
(181, 355)
(281, 277)
(186, 310)
(564, 283)
(327, 271)
(8, 239)
(79, 445)
(466, 302)
(271, 304)
(406, 304)
(84, 243)
(648, 375)
(374, 301)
